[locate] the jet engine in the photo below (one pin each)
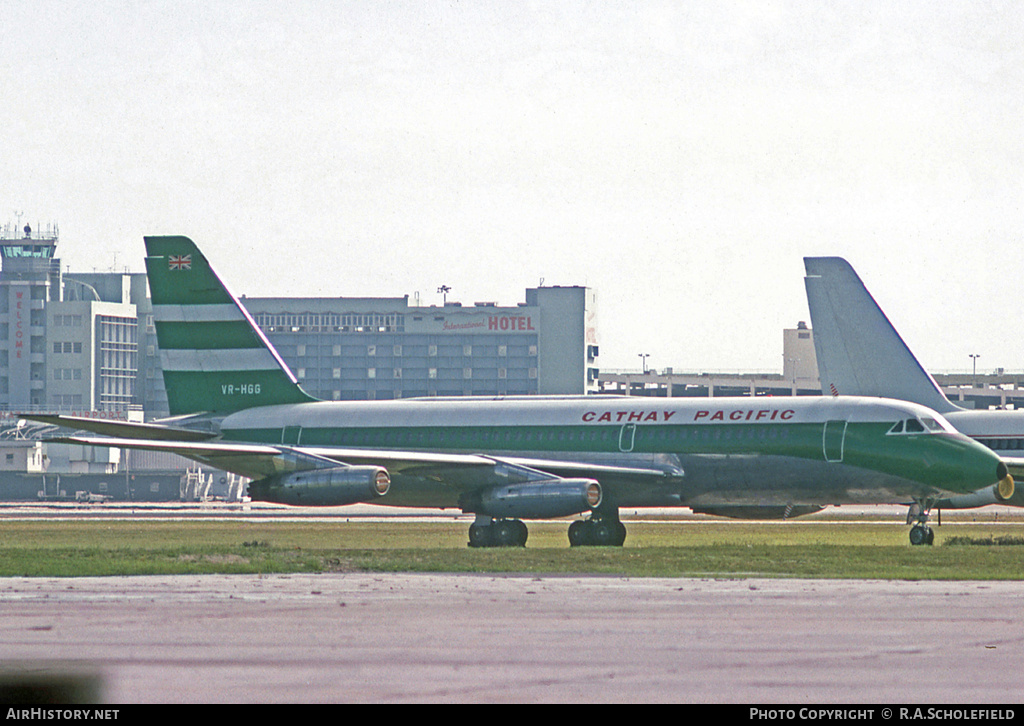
(536, 499)
(323, 487)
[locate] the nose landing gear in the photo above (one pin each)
(920, 533)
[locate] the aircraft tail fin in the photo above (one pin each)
(215, 358)
(859, 351)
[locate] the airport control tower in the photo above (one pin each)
(68, 343)
(29, 277)
(28, 256)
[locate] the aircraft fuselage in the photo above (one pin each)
(699, 452)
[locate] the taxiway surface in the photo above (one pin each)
(459, 638)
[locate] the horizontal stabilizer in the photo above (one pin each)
(250, 460)
(124, 429)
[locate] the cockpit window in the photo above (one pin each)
(922, 425)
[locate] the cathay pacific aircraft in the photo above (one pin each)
(860, 353)
(515, 458)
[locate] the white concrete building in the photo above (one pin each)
(385, 348)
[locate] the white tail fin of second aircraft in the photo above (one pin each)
(859, 351)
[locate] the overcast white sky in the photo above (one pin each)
(679, 157)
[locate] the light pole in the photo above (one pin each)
(644, 357)
(974, 374)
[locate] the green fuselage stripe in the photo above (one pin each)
(576, 438)
(206, 335)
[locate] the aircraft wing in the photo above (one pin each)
(407, 462)
(460, 472)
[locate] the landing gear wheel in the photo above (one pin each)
(509, 533)
(521, 532)
(597, 532)
(578, 533)
(504, 533)
(601, 533)
(479, 535)
(498, 533)
(620, 534)
(921, 534)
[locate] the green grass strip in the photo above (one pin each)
(653, 549)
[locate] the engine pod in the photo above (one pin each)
(324, 487)
(545, 499)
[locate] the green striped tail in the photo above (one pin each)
(215, 358)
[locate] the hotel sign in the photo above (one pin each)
(489, 323)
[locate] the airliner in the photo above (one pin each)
(860, 353)
(236, 405)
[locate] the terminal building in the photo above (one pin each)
(385, 348)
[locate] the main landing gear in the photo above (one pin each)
(490, 532)
(920, 533)
(600, 530)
